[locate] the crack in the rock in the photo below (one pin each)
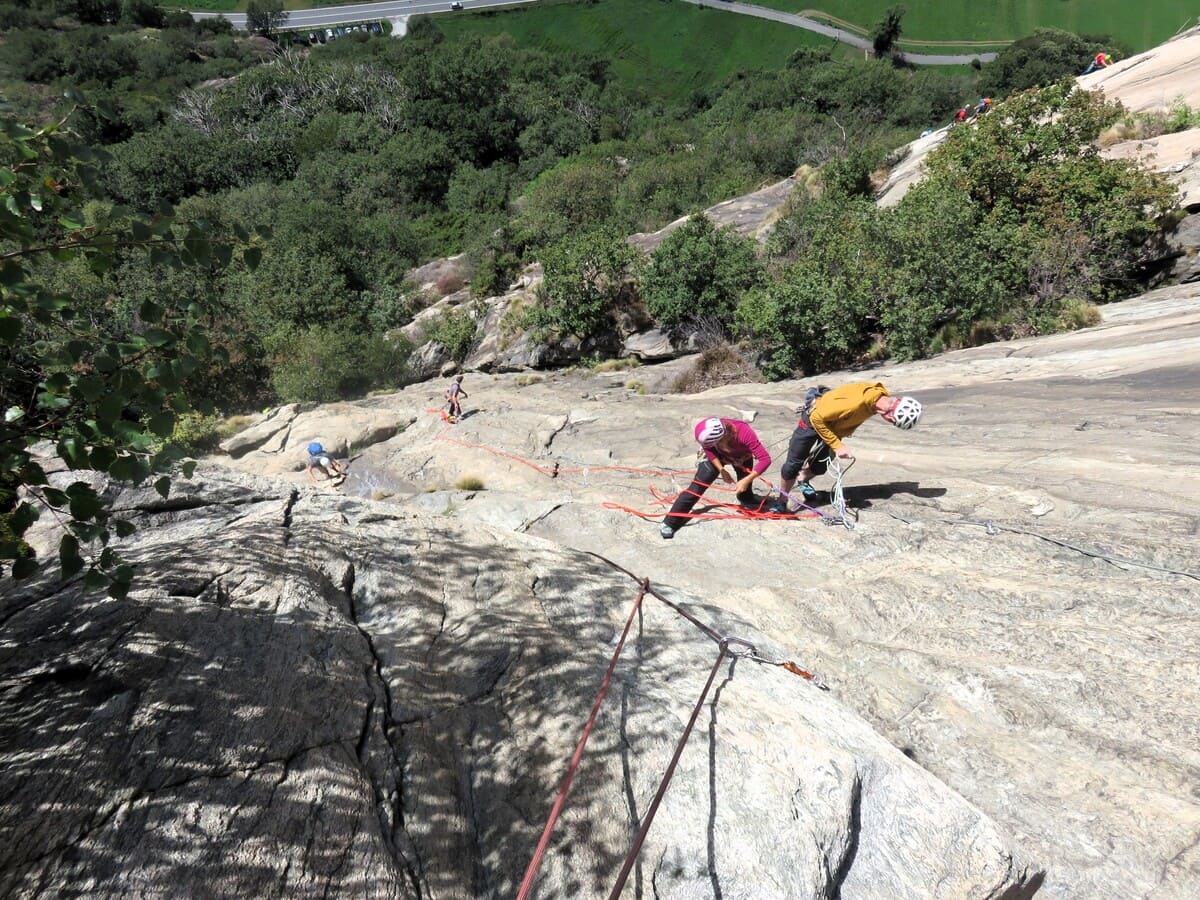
(30, 605)
(441, 625)
(533, 589)
(287, 434)
(555, 433)
(658, 864)
(287, 516)
(184, 503)
(388, 725)
(480, 873)
(1166, 870)
(529, 523)
(468, 700)
(854, 826)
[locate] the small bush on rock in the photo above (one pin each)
(716, 366)
(455, 330)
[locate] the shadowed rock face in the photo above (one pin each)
(312, 694)
(1055, 690)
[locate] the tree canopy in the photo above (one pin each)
(76, 384)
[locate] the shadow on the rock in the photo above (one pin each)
(287, 703)
(861, 495)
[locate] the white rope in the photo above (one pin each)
(838, 495)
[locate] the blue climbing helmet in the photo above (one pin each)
(315, 448)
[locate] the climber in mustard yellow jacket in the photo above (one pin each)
(827, 417)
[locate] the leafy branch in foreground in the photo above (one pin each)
(74, 385)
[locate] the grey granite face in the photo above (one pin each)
(314, 690)
(307, 693)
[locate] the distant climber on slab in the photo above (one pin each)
(725, 442)
(826, 417)
(1099, 61)
(454, 397)
(320, 458)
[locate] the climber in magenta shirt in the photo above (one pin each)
(725, 442)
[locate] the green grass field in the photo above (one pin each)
(1139, 24)
(671, 48)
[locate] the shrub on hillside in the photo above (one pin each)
(334, 363)
(718, 365)
(575, 195)
(455, 330)
(587, 277)
(698, 271)
(1041, 59)
(1015, 216)
(831, 259)
(1035, 165)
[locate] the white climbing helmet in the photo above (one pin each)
(905, 413)
(710, 431)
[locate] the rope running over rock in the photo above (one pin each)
(726, 647)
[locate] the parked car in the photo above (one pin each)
(329, 34)
(376, 27)
(341, 30)
(456, 5)
(314, 37)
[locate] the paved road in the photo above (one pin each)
(361, 12)
(838, 34)
(391, 9)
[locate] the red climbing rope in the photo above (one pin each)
(543, 843)
(553, 471)
(724, 642)
(648, 819)
(734, 511)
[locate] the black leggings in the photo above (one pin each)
(706, 474)
(805, 446)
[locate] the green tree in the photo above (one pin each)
(455, 330)
(1039, 60)
(1036, 162)
(699, 272)
(97, 400)
(587, 277)
(887, 32)
(326, 363)
(1017, 217)
(832, 260)
(265, 17)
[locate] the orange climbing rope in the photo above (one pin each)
(733, 511)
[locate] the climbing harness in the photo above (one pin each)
(727, 646)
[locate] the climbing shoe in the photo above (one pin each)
(779, 507)
(805, 488)
(667, 532)
(752, 502)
